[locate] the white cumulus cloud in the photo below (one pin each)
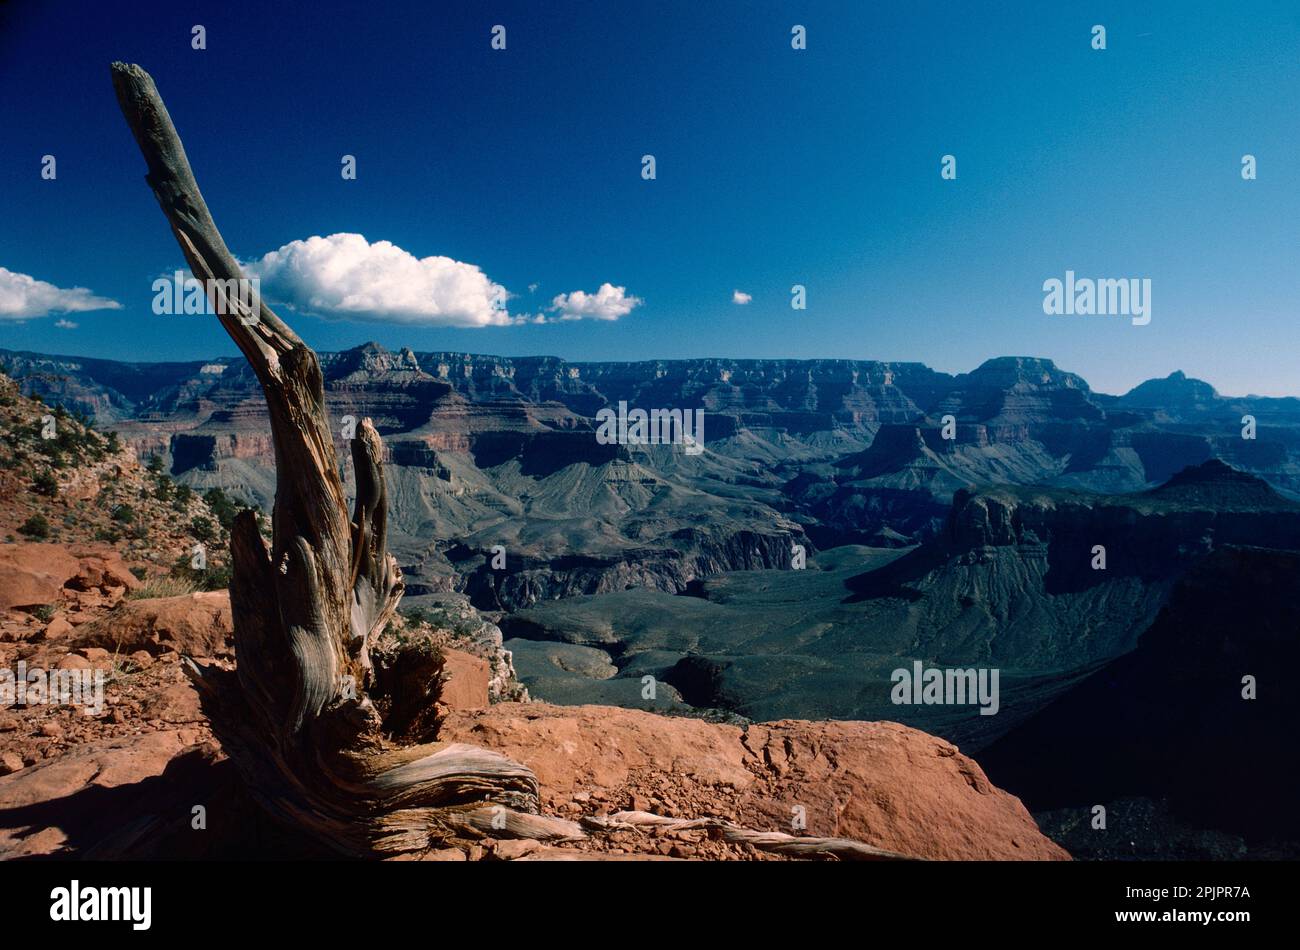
(64, 324)
(23, 297)
(740, 297)
(344, 276)
(607, 303)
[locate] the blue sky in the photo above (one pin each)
(774, 167)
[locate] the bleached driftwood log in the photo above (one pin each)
(297, 717)
(778, 842)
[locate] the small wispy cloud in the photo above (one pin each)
(65, 324)
(23, 297)
(740, 297)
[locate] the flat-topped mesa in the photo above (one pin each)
(834, 388)
(369, 359)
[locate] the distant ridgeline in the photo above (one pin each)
(488, 451)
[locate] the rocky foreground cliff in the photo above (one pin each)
(136, 772)
(143, 777)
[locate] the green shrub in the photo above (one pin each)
(223, 506)
(35, 527)
(415, 615)
(68, 439)
(182, 497)
(51, 449)
(217, 578)
(45, 484)
(203, 528)
(212, 577)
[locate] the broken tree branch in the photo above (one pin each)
(778, 842)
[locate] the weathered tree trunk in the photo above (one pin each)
(297, 716)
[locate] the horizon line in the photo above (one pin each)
(688, 359)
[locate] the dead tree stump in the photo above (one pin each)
(296, 715)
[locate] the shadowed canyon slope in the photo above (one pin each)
(1009, 583)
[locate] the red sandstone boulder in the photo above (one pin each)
(35, 574)
(878, 782)
(191, 624)
(100, 568)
